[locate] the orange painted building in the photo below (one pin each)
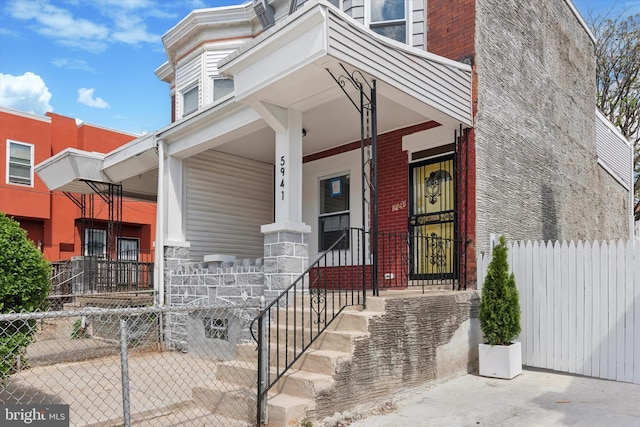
(52, 220)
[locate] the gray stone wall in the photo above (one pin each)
(537, 171)
(229, 290)
(286, 256)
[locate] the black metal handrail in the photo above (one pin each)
(338, 278)
(289, 324)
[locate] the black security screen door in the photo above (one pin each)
(432, 218)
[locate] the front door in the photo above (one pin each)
(431, 218)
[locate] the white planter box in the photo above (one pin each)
(500, 361)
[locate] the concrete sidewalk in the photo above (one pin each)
(535, 398)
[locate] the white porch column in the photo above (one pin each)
(287, 123)
(174, 202)
(286, 247)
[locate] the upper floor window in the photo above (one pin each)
(336, 3)
(19, 163)
(190, 100)
(388, 18)
(222, 87)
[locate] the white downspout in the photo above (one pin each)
(159, 255)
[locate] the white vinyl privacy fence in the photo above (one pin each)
(580, 306)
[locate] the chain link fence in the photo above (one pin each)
(147, 366)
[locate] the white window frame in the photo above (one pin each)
(183, 94)
(330, 214)
(8, 163)
(214, 96)
(95, 231)
(408, 8)
(340, 4)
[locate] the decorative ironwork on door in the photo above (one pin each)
(432, 218)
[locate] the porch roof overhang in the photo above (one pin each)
(291, 66)
(134, 166)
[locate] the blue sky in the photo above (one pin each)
(95, 60)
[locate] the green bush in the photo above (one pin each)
(24, 287)
(500, 306)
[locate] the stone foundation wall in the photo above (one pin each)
(230, 291)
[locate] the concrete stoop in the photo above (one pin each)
(294, 396)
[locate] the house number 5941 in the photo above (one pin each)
(282, 162)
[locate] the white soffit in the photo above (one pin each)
(66, 170)
(134, 158)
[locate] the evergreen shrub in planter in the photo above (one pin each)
(500, 356)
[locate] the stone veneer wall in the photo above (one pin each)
(286, 256)
(537, 173)
(230, 289)
(419, 339)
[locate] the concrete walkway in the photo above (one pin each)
(535, 398)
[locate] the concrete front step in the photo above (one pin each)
(294, 394)
(240, 404)
(315, 360)
(228, 400)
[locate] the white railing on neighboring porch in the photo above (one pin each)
(580, 306)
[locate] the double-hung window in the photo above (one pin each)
(190, 100)
(19, 163)
(389, 18)
(334, 212)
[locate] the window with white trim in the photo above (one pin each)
(190, 100)
(95, 242)
(336, 3)
(334, 212)
(221, 87)
(19, 163)
(389, 18)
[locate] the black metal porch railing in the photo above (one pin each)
(338, 278)
(93, 274)
(417, 260)
(288, 325)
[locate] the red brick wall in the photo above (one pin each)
(451, 28)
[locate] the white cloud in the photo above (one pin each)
(60, 25)
(27, 93)
(73, 64)
(85, 96)
(114, 21)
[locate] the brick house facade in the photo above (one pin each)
(52, 220)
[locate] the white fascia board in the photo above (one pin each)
(134, 158)
(164, 72)
(212, 128)
(197, 18)
(293, 43)
(71, 165)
